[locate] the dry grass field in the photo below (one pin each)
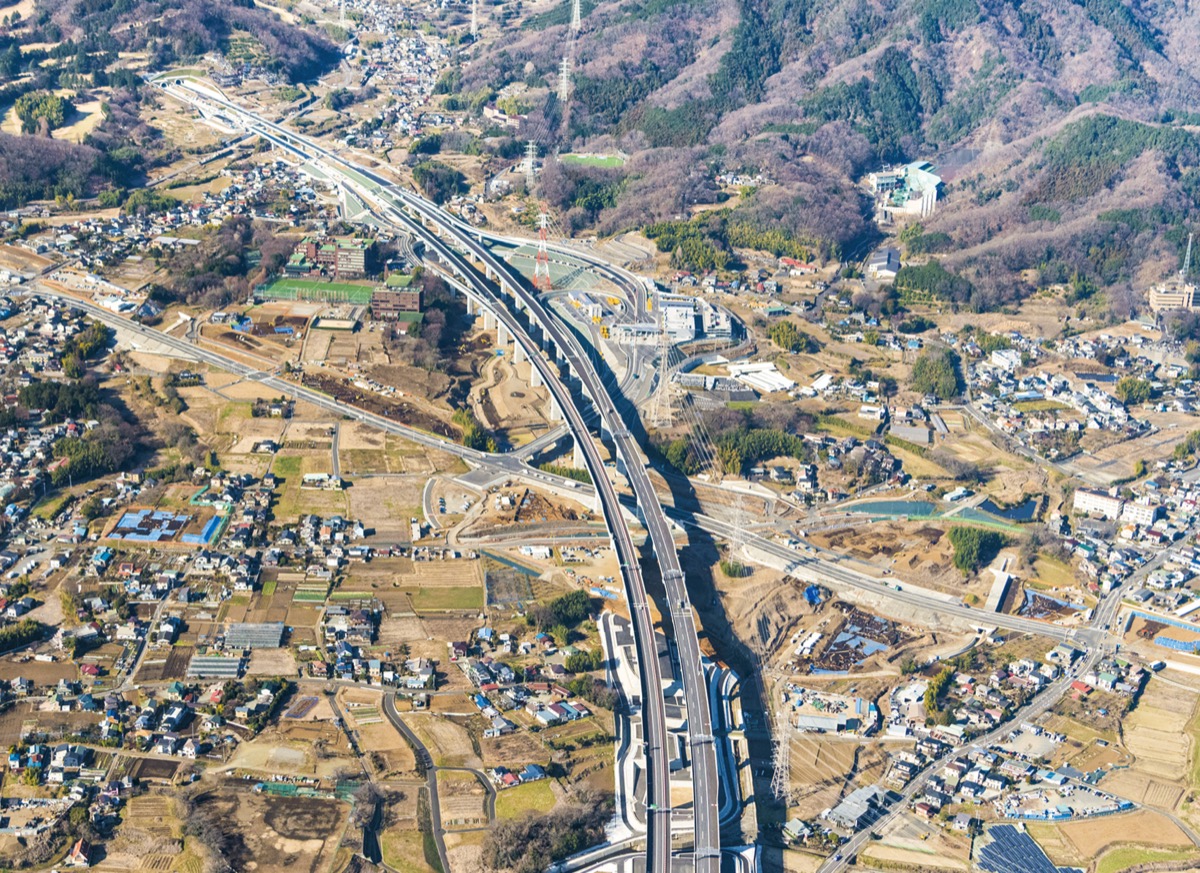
(1157, 734)
(1082, 842)
(824, 770)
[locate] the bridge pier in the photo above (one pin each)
(502, 337)
(556, 414)
(577, 459)
(489, 320)
(518, 353)
(535, 378)
(471, 307)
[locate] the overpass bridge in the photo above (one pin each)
(557, 357)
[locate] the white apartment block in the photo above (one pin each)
(1097, 502)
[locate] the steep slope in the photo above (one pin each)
(1062, 129)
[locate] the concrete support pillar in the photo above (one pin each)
(535, 378)
(556, 414)
(577, 460)
(502, 337)
(489, 320)
(518, 353)
(471, 307)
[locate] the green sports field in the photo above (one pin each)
(315, 289)
(593, 160)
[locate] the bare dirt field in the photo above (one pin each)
(294, 748)
(278, 833)
(918, 552)
(40, 672)
(271, 662)
(513, 749)
(389, 502)
(464, 851)
(1143, 789)
(448, 741)
(1095, 756)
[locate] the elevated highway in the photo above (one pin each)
(505, 295)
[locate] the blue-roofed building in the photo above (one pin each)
(532, 773)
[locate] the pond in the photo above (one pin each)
(1026, 511)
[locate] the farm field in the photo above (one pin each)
(462, 800)
(1156, 734)
(448, 742)
(1112, 839)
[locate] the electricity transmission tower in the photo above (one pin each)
(529, 164)
(474, 19)
(662, 412)
(576, 16)
(781, 764)
(564, 75)
(541, 267)
(1187, 260)
(737, 544)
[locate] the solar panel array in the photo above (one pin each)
(1013, 851)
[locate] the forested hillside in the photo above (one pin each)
(1066, 132)
(179, 30)
(85, 46)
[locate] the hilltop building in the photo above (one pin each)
(908, 192)
(1172, 295)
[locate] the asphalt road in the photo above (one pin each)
(425, 761)
(654, 720)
